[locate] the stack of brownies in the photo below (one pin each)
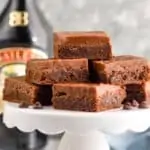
(84, 75)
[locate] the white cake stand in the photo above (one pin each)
(83, 131)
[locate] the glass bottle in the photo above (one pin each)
(24, 34)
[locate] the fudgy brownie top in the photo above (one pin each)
(68, 34)
(86, 85)
(19, 82)
(77, 38)
(122, 61)
(123, 58)
(127, 57)
(51, 63)
(99, 88)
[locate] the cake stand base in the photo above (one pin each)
(90, 141)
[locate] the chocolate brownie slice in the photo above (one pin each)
(121, 70)
(16, 89)
(49, 71)
(87, 97)
(91, 45)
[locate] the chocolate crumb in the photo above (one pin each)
(135, 103)
(127, 106)
(143, 105)
(37, 105)
(23, 105)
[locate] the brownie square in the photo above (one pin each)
(87, 97)
(90, 45)
(17, 90)
(49, 71)
(121, 70)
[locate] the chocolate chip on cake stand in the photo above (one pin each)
(23, 105)
(131, 105)
(135, 104)
(127, 106)
(143, 105)
(37, 105)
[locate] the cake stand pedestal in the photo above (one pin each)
(83, 130)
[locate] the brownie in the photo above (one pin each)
(125, 69)
(91, 45)
(17, 90)
(49, 71)
(87, 97)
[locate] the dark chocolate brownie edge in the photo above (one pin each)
(100, 52)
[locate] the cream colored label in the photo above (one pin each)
(13, 63)
(18, 18)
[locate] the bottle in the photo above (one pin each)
(23, 35)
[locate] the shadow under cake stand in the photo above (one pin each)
(83, 130)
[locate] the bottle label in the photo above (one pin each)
(13, 62)
(18, 18)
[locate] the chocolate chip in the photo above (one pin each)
(37, 105)
(127, 106)
(23, 105)
(135, 103)
(143, 105)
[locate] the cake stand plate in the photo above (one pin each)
(83, 130)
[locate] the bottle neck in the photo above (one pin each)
(21, 5)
